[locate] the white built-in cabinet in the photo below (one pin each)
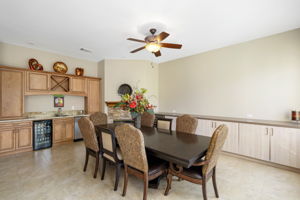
(269, 143)
(285, 146)
(254, 141)
(207, 128)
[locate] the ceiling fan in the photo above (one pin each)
(153, 43)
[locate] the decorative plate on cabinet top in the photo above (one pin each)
(35, 65)
(60, 67)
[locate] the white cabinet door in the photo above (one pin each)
(173, 122)
(254, 141)
(285, 146)
(205, 127)
(232, 140)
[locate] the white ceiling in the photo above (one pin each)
(64, 26)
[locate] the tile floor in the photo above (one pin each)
(57, 174)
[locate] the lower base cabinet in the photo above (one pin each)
(63, 130)
(276, 144)
(285, 146)
(15, 137)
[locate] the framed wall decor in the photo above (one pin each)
(59, 101)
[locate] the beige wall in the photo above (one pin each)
(137, 73)
(17, 56)
(258, 79)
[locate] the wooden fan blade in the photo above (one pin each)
(169, 45)
(136, 40)
(162, 36)
(136, 50)
(157, 53)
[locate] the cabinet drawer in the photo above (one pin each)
(22, 124)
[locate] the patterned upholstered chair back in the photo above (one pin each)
(148, 119)
(215, 147)
(186, 124)
(88, 133)
(131, 141)
(108, 145)
(98, 118)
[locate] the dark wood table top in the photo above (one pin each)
(180, 148)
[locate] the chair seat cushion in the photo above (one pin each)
(119, 155)
(155, 165)
(193, 172)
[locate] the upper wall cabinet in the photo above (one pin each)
(93, 101)
(11, 93)
(36, 83)
(78, 86)
(47, 83)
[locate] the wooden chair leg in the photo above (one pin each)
(103, 168)
(118, 168)
(204, 188)
(97, 165)
(215, 182)
(145, 186)
(86, 160)
(125, 180)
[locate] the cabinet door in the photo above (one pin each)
(37, 82)
(78, 85)
(254, 141)
(11, 93)
(69, 129)
(93, 100)
(7, 140)
(205, 127)
(232, 140)
(285, 147)
(59, 131)
(23, 138)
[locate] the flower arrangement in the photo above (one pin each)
(136, 103)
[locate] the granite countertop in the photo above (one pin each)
(40, 118)
(288, 124)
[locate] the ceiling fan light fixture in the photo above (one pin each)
(153, 47)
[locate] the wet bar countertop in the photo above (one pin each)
(39, 118)
(288, 124)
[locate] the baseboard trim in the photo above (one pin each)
(293, 169)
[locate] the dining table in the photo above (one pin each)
(182, 149)
(179, 148)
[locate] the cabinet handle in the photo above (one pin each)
(267, 131)
(272, 132)
(212, 124)
(215, 124)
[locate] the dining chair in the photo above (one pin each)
(110, 153)
(147, 119)
(90, 140)
(98, 118)
(201, 171)
(186, 124)
(132, 146)
(164, 123)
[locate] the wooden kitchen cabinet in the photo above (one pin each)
(7, 139)
(11, 93)
(15, 137)
(63, 130)
(254, 141)
(37, 83)
(78, 85)
(93, 101)
(23, 135)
